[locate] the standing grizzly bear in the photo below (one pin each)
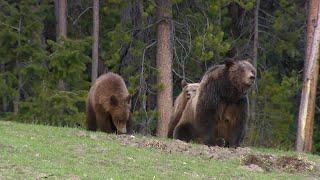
(219, 110)
(188, 91)
(108, 104)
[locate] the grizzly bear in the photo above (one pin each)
(224, 130)
(108, 105)
(188, 91)
(219, 110)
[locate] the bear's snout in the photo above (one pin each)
(122, 130)
(251, 78)
(188, 95)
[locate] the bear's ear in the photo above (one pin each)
(113, 100)
(128, 99)
(250, 60)
(183, 83)
(229, 62)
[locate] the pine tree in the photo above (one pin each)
(61, 6)
(95, 45)
(164, 64)
(309, 90)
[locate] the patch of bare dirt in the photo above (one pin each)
(253, 167)
(269, 162)
(79, 150)
(81, 133)
(8, 147)
(250, 160)
(43, 176)
(72, 177)
(21, 170)
(178, 146)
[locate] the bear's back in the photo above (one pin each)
(107, 85)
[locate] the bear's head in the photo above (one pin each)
(119, 109)
(189, 89)
(241, 74)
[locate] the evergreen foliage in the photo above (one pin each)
(204, 33)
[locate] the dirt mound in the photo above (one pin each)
(177, 146)
(283, 163)
(249, 160)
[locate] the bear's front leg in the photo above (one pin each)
(184, 132)
(239, 129)
(104, 122)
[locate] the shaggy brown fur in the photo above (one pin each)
(108, 104)
(188, 91)
(219, 110)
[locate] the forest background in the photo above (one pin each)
(34, 60)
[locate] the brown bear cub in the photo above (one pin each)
(219, 111)
(188, 91)
(108, 105)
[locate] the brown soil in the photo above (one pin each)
(289, 164)
(177, 146)
(250, 160)
(254, 161)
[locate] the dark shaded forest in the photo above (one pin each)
(45, 77)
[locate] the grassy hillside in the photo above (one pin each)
(35, 151)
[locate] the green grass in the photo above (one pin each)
(35, 151)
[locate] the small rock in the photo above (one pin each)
(94, 137)
(254, 167)
(81, 134)
(37, 155)
(43, 176)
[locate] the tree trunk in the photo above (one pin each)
(125, 55)
(253, 103)
(311, 24)
(164, 63)
(138, 34)
(95, 45)
(308, 96)
(16, 102)
(62, 18)
(4, 96)
(102, 69)
(61, 12)
(56, 13)
(236, 12)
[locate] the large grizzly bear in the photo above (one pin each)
(188, 91)
(108, 104)
(219, 110)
